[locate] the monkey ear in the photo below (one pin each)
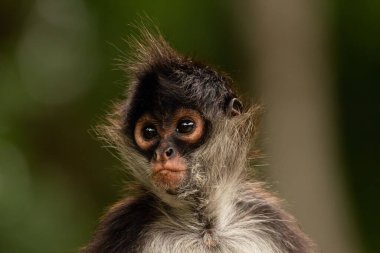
(235, 107)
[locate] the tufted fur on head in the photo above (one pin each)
(162, 79)
(220, 209)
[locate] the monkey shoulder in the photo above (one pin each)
(122, 226)
(267, 212)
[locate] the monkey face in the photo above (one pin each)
(166, 142)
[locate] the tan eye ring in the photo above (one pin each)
(189, 126)
(145, 132)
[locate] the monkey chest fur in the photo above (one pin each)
(175, 236)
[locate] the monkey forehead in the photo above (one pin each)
(165, 120)
(166, 93)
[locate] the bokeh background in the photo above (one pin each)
(314, 64)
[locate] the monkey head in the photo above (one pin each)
(169, 114)
(171, 105)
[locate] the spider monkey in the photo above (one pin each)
(184, 136)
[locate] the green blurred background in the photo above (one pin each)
(58, 77)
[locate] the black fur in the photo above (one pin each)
(120, 230)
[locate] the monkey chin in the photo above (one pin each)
(169, 175)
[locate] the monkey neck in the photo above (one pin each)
(202, 206)
(201, 212)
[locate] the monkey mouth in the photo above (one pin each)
(168, 176)
(168, 167)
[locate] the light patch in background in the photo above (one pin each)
(55, 57)
(287, 43)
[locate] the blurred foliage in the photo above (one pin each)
(57, 80)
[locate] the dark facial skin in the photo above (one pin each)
(166, 141)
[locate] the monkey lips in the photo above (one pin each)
(169, 174)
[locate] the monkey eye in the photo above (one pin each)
(149, 132)
(185, 126)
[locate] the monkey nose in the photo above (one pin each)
(169, 152)
(163, 155)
